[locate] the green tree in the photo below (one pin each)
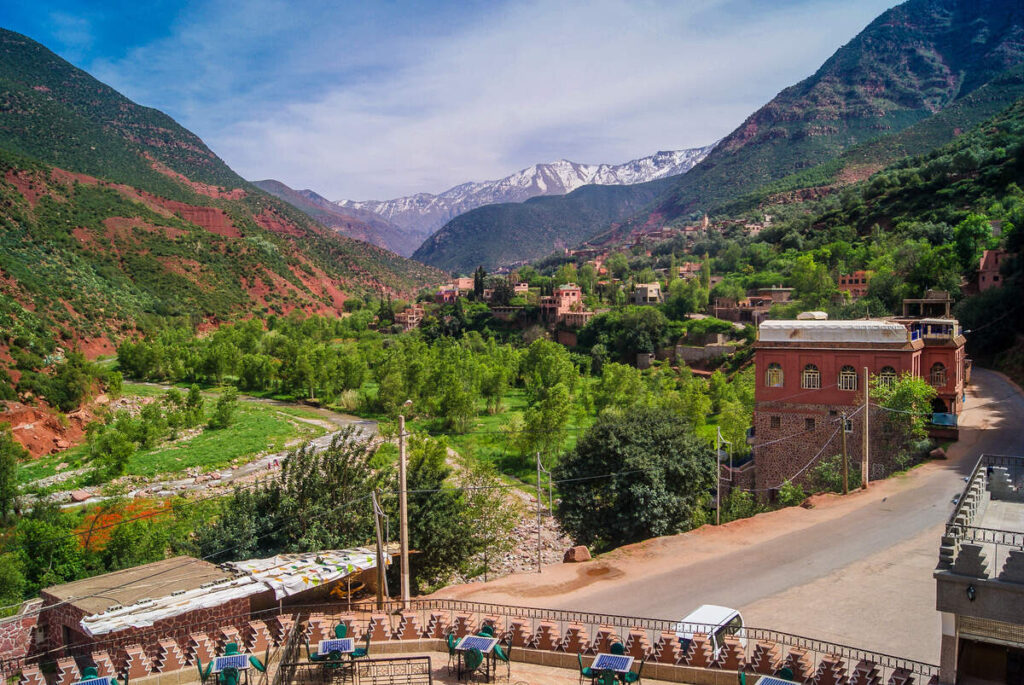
(224, 410)
(734, 420)
(907, 402)
(109, 449)
(617, 265)
(11, 452)
(479, 277)
(47, 548)
(696, 405)
(12, 583)
(70, 382)
(438, 514)
(565, 274)
(663, 476)
(790, 494)
(971, 236)
(546, 420)
(620, 386)
(718, 390)
(134, 543)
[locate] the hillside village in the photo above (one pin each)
(749, 410)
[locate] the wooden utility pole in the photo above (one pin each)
(382, 588)
(846, 462)
(718, 476)
(403, 506)
(865, 461)
(538, 513)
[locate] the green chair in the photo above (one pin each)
(618, 649)
(90, 672)
(585, 671)
(630, 677)
(229, 676)
(316, 658)
(340, 631)
(203, 674)
(486, 631)
(504, 653)
(257, 664)
(364, 651)
(786, 673)
(471, 660)
(607, 677)
(231, 649)
(452, 654)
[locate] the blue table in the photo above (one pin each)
(619, 663)
(239, 661)
(345, 645)
(484, 644)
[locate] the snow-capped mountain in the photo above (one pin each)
(426, 213)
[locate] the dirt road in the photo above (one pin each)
(855, 570)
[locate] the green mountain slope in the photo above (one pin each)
(912, 61)
(496, 235)
(112, 214)
(354, 223)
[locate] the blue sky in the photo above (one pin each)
(372, 100)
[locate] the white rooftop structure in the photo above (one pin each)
(857, 331)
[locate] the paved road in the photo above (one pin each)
(836, 546)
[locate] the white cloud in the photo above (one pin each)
(386, 113)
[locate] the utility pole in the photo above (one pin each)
(403, 507)
(718, 473)
(865, 461)
(382, 588)
(846, 463)
(539, 512)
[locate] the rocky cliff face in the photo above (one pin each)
(425, 213)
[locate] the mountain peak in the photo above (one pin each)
(426, 213)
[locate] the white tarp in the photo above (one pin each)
(285, 574)
(856, 331)
(288, 574)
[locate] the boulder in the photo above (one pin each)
(937, 453)
(79, 495)
(576, 554)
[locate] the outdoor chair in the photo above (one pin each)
(316, 658)
(607, 677)
(585, 671)
(364, 651)
(486, 631)
(786, 673)
(340, 631)
(630, 677)
(471, 661)
(229, 676)
(505, 654)
(203, 674)
(618, 649)
(231, 649)
(257, 664)
(452, 654)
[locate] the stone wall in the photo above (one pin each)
(799, 448)
(16, 632)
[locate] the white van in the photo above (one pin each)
(713, 619)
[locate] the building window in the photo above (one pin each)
(776, 422)
(937, 377)
(809, 424)
(773, 379)
(887, 377)
(848, 378)
(810, 379)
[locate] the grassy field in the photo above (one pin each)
(258, 428)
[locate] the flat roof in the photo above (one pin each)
(810, 330)
(128, 586)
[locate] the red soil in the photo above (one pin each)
(122, 227)
(215, 192)
(274, 223)
(40, 430)
(210, 218)
(28, 184)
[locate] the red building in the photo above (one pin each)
(565, 307)
(856, 283)
(988, 269)
(811, 372)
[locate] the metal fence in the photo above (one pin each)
(406, 670)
